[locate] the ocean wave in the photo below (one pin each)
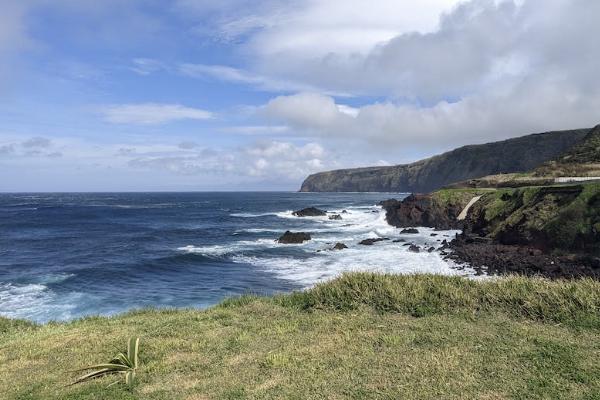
(36, 302)
(258, 215)
(387, 257)
(232, 248)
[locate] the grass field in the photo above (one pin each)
(362, 336)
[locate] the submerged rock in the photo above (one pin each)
(294, 237)
(310, 212)
(371, 242)
(340, 246)
(399, 241)
(335, 217)
(414, 249)
(411, 231)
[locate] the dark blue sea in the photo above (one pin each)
(64, 256)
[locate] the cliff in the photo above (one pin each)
(438, 210)
(507, 156)
(549, 218)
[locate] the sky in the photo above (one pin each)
(205, 95)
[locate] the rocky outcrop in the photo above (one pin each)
(294, 237)
(410, 231)
(310, 212)
(414, 249)
(468, 162)
(552, 230)
(371, 242)
(493, 258)
(437, 210)
(340, 246)
(335, 217)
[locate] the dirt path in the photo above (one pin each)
(463, 213)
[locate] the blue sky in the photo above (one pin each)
(255, 95)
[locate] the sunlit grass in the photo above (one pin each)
(361, 336)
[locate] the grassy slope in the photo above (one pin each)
(361, 336)
(569, 221)
(459, 197)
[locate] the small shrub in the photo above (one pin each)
(125, 365)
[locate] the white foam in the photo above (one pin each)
(220, 250)
(36, 302)
(357, 224)
(283, 214)
(259, 230)
(314, 261)
(385, 258)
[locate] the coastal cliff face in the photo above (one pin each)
(549, 218)
(552, 231)
(513, 155)
(435, 210)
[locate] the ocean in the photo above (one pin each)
(65, 256)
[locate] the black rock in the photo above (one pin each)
(399, 241)
(371, 242)
(294, 237)
(340, 246)
(431, 249)
(309, 212)
(336, 217)
(344, 212)
(411, 231)
(414, 249)
(433, 234)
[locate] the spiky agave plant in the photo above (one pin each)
(121, 364)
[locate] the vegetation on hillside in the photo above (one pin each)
(456, 197)
(361, 336)
(550, 217)
(581, 160)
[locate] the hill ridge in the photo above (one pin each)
(514, 155)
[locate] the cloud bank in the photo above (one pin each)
(493, 69)
(152, 113)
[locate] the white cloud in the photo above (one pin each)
(316, 27)
(493, 70)
(403, 127)
(152, 113)
(270, 160)
(220, 72)
(234, 75)
(304, 110)
(37, 142)
(146, 66)
(257, 130)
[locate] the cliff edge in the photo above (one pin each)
(508, 156)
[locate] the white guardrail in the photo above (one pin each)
(569, 179)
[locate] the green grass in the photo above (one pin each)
(445, 197)
(563, 216)
(362, 336)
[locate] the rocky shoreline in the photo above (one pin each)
(546, 231)
(523, 231)
(501, 259)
